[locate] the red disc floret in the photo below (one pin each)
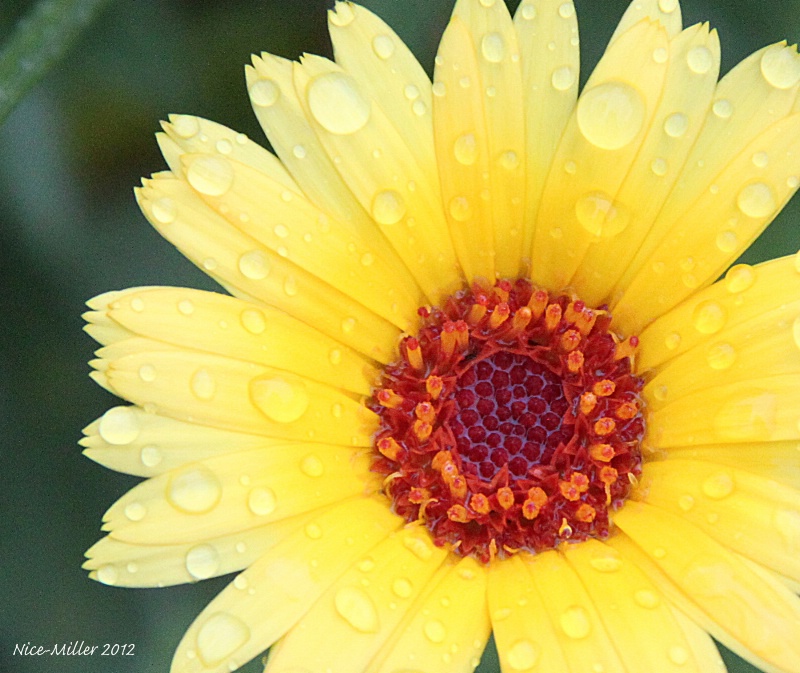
(511, 421)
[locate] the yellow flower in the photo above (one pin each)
(476, 375)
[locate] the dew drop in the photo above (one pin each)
(388, 207)
(601, 215)
(335, 356)
(150, 456)
(647, 599)
(262, 501)
(419, 547)
(676, 125)
(342, 15)
(439, 89)
(571, 167)
(210, 175)
(253, 321)
(367, 259)
(460, 209)
(357, 609)
(780, 67)
(611, 115)
(264, 92)
(760, 159)
(312, 466)
(185, 126)
(501, 614)
(522, 655)
(203, 385)
(700, 60)
(528, 12)
(686, 502)
(708, 317)
(119, 426)
(575, 622)
(756, 200)
(509, 160)
(720, 356)
(566, 10)
(254, 265)
(419, 108)
(661, 392)
(487, 3)
(678, 655)
(280, 399)
(348, 325)
(659, 167)
(727, 241)
(383, 46)
(465, 149)
(667, 6)
(299, 152)
(793, 182)
(135, 511)
(194, 489)
(202, 561)
(147, 373)
(402, 587)
(107, 574)
(672, 341)
(659, 552)
(718, 486)
(606, 564)
(434, 631)
(290, 286)
(722, 108)
(164, 210)
(660, 55)
(240, 582)
(411, 92)
(220, 636)
(224, 146)
(313, 531)
(336, 103)
(563, 78)
(739, 278)
(493, 47)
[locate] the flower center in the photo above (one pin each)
(511, 422)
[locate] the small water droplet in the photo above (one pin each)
(434, 631)
(739, 278)
(727, 241)
(202, 561)
(342, 14)
(793, 182)
(107, 574)
(312, 466)
(460, 209)
(659, 552)
(203, 384)
(575, 622)
(210, 175)
(262, 501)
(383, 46)
(601, 215)
(493, 47)
(219, 637)
(224, 146)
(135, 511)
(566, 10)
(780, 67)
(290, 286)
(699, 60)
(659, 167)
(501, 614)
(299, 152)
(388, 207)
(194, 489)
(528, 12)
(672, 341)
(611, 115)
(647, 598)
(720, 356)
(718, 486)
(760, 159)
(254, 265)
(147, 373)
(676, 125)
(563, 78)
(756, 200)
(209, 264)
(411, 92)
(335, 356)
(419, 547)
(487, 3)
(357, 609)
(509, 160)
(264, 92)
(686, 502)
(402, 587)
(253, 321)
(439, 89)
(722, 108)
(661, 392)
(571, 167)
(522, 655)
(283, 400)
(119, 426)
(667, 6)
(606, 564)
(337, 104)
(150, 455)
(465, 149)
(660, 55)
(240, 582)
(678, 655)
(348, 325)
(708, 317)
(164, 210)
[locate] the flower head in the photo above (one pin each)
(475, 373)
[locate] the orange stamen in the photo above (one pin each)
(573, 312)
(480, 504)
(521, 319)
(424, 411)
(458, 513)
(422, 429)
(570, 340)
(604, 426)
(499, 315)
(627, 348)
(601, 452)
(604, 388)
(462, 335)
(440, 459)
(627, 410)
(419, 495)
(537, 303)
(575, 361)
(434, 386)
(458, 486)
(476, 313)
(585, 513)
(552, 317)
(388, 447)
(608, 475)
(414, 354)
(448, 339)
(537, 495)
(505, 497)
(530, 510)
(588, 403)
(388, 398)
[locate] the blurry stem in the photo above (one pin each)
(38, 42)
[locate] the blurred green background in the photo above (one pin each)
(70, 155)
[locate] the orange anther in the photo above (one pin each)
(418, 495)
(476, 313)
(585, 513)
(564, 530)
(422, 429)
(521, 319)
(604, 426)
(569, 490)
(575, 361)
(601, 452)
(627, 410)
(440, 459)
(480, 503)
(552, 317)
(570, 340)
(388, 398)
(462, 335)
(586, 321)
(530, 510)
(627, 348)
(604, 388)
(434, 386)
(458, 486)
(537, 495)
(448, 338)
(505, 497)
(580, 480)
(499, 315)
(537, 303)
(608, 475)
(588, 403)
(414, 354)
(458, 513)
(388, 447)
(502, 290)
(424, 411)
(449, 470)
(574, 311)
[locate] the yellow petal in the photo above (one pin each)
(449, 624)
(668, 12)
(287, 579)
(703, 646)
(255, 273)
(752, 515)
(389, 178)
(639, 622)
(222, 325)
(601, 141)
(547, 32)
(363, 608)
(236, 492)
(747, 610)
(525, 635)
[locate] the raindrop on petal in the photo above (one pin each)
(337, 104)
(611, 115)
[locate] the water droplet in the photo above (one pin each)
(509, 160)
(147, 373)
(299, 152)
(739, 278)
(240, 582)
(465, 149)
(667, 6)
(164, 210)
(566, 10)
(150, 456)
(264, 92)
(700, 60)
(224, 146)
(135, 511)
(727, 241)
(720, 356)
(522, 655)
(563, 78)
(780, 67)
(575, 622)
(220, 636)
(439, 89)
(661, 392)
(672, 341)
(388, 207)
(708, 317)
(119, 426)
(203, 385)
(606, 564)
(383, 46)
(107, 574)
(718, 486)
(337, 104)
(434, 631)
(335, 356)
(312, 466)
(611, 115)
(357, 609)
(678, 655)
(647, 598)
(402, 587)
(676, 125)
(262, 501)
(194, 489)
(760, 159)
(254, 265)
(411, 92)
(202, 561)
(601, 215)
(313, 531)
(722, 108)
(348, 325)
(686, 502)
(185, 126)
(419, 547)
(571, 167)
(210, 175)
(342, 15)
(290, 286)
(660, 55)
(460, 209)
(493, 47)
(793, 182)
(659, 552)
(756, 200)
(367, 259)
(659, 167)
(253, 321)
(528, 12)
(282, 400)
(487, 3)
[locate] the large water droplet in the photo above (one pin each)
(667, 6)
(563, 78)
(676, 125)
(708, 317)
(194, 489)
(282, 400)
(312, 466)
(164, 210)
(780, 67)
(611, 115)
(720, 356)
(739, 278)
(337, 104)
(253, 321)
(107, 574)
(700, 60)
(185, 126)
(203, 385)
(357, 609)
(254, 265)
(220, 636)
(135, 511)
(434, 631)
(566, 10)
(388, 207)
(722, 108)
(522, 655)
(660, 55)
(119, 426)
(493, 47)
(575, 622)
(460, 209)
(528, 12)
(601, 215)
(465, 149)
(264, 92)
(756, 200)
(202, 561)
(210, 175)
(383, 46)
(262, 501)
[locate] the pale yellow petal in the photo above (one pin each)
(124, 564)
(754, 516)
(747, 610)
(274, 593)
(222, 325)
(668, 12)
(448, 625)
(640, 624)
(547, 32)
(129, 439)
(702, 645)
(601, 141)
(576, 619)
(255, 273)
(390, 180)
(236, 492)
(363, 608)
(525, 635)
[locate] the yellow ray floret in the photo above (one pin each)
(667, 12)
